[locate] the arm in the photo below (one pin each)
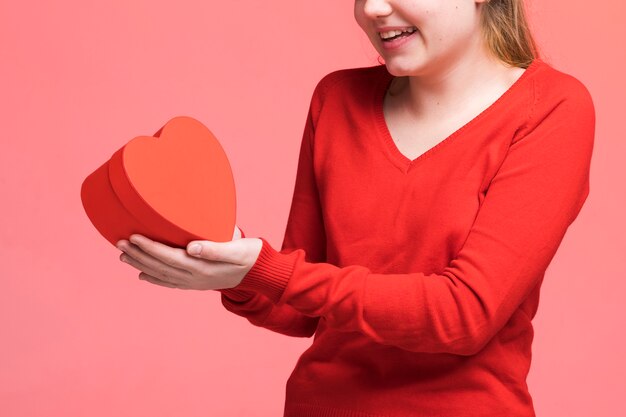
(305, 230)
(537, 193)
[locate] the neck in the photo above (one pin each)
(449, 87)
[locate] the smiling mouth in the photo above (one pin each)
(396, 34)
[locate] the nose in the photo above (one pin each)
(376, 8)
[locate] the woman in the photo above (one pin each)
(431, 194)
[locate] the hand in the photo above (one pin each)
(218, 265)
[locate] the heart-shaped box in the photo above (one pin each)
(173, 187)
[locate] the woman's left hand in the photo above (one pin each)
(204, 265)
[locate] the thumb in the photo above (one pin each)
(214, 251)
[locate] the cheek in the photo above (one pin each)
(443, 22)
(445, 34)
(358, 18)
(358, 12)
(366, 30)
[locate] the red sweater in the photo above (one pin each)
(419, 278)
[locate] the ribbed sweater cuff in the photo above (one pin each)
(234, 294)
(269, 275)
(239, 296)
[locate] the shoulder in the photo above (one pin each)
(559, 99)
(553, 87)
(351, 76)
(346, 83)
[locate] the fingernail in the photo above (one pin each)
(195, 249)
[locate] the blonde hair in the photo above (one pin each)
(506, 32)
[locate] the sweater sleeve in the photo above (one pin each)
(536, 194)
(304, 231)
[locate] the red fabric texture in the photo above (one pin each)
(419, 278)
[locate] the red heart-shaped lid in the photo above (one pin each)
(173, 187)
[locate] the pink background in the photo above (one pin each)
(81, 335)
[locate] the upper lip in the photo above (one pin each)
(390, 28)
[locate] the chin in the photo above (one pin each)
(401, 69)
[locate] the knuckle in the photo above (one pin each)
(179, 260)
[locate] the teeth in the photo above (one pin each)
(391, 34)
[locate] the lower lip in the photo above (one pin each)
(397, 43)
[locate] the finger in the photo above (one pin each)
(230, 252)
(153, 263)
(175, 257)
(163, 272)
(156, 281)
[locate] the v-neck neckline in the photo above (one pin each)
(402, 161)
